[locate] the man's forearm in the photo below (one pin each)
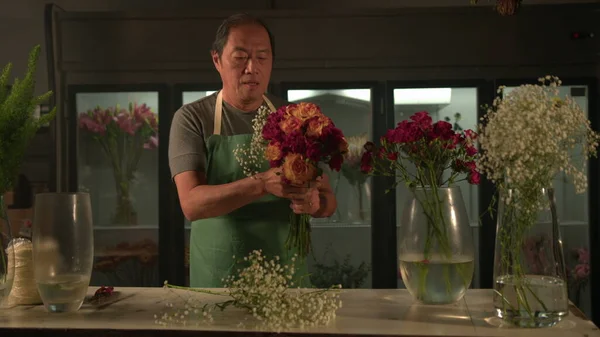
(207, 201)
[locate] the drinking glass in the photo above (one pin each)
(7, 266)
(63, 249)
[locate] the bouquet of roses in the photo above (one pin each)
(299, 137)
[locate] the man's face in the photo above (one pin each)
(246, 63)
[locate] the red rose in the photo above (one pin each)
(470, 134)
(295, 142)
(366, 165)
(369, 146)
(405, 132)
(314, 151)
(332, 138)
(471, 165)
(335, 163)
(474, 177)
(471, 150)
(457, 139)
(271, 130)
(276, 163)
(442, 130)
(422, 119)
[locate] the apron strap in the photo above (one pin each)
(219, 111)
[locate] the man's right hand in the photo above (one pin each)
(273, 184)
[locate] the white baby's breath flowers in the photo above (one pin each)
(250, 157)
(264, 290)
(531, 134)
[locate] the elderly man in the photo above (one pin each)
(233, 214)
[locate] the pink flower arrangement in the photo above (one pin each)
(123, 134)
(579, 276)
(139, 120)
(535, 253)
(581, 271)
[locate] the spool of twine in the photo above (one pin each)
(24, 289)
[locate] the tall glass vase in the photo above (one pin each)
(358, 201)
(530, 284)
(435, 245)
(63, 249)
(7, 266)
(125, 213)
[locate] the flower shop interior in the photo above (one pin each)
(368, 64)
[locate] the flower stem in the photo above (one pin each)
(197, 290)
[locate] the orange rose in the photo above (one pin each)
(273, 152)
(304, 110)
(290, 124)
(315, 126)
(298, 170)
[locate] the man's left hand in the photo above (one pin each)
(307, 203)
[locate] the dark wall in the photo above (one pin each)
(325, 45)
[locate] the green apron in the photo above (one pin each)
(263, 224)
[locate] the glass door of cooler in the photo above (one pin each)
(342, 242)
(573, 213)
(185, 96)
(458, 105)
(114, 157)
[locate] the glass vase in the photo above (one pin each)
(7, 266)
(125, 213)
(435, 245)
(530, 284)
(357, 203)
(63, 249)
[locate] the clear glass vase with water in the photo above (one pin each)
(7, 266)
(530, 284)
(63, 249)
(435, 246)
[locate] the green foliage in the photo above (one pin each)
(17, 123)
(344, 273)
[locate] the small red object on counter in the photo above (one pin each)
(104, 292)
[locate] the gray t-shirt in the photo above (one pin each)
(193, 123)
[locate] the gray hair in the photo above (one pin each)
(237, 20)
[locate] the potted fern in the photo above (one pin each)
(17, 127)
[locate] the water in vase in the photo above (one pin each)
(64, 293)
(438, 280)
(531, 301)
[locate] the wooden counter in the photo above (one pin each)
(130, 312)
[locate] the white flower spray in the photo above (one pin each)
(531, 134)
(263, 290)
(250, 157)
(528, 137)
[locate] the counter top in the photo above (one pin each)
(131, 312)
